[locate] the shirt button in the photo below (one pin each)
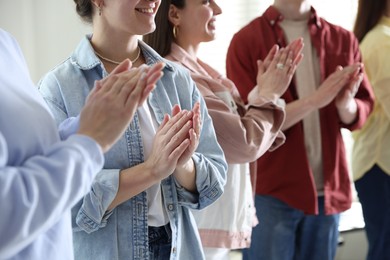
(272, 22)
(170, 207)
(174, 250)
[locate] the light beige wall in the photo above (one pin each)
(47, 30)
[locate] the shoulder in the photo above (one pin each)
(337, 32)
(7, 40)
(59, 74)
(248, 30)
(177, 70)
(377, 38)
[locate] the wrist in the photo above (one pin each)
(187, 167)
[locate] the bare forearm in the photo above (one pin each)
(296, 111)
(133, 181)
(186, 176)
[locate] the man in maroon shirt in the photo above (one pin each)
(303, 186)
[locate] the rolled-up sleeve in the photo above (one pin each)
(92, 213)
(210, 163)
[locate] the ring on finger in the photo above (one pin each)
(280, 66)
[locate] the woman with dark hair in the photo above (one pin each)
(244, 133)
(371, 152)
(139, 205)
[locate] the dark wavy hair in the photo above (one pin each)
(368, 15)
(161, 39)
(84, 9)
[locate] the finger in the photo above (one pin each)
(356, 84)
(270, 56)
(196, 108)
(157, 67)
(133, 94)
(196, 118)
(338, 71)
(280, 59)
(153, 78)
(133, 76)
(96, 88)
(154, 74)
(176, 136)
(260, 67)
(176, 122)
(150, 85)
(181, 132)
(164, 122)
(297, 47)
(175, 110)
(115, 82)
(107, 83)
(295, 64)
(180, 121)
(289, 59)
(146, 92)
(196, 124)
(292, 70)
(194, 137)
(179, 151)
(122, 67)
(126, 83)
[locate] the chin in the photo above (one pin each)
(152, 28)
(148, 30)
(210, 38)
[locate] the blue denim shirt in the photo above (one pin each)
(122, 232)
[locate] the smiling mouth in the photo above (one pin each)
(145, 10)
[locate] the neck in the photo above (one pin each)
(115, 47)
(293, 10)
(191, 49)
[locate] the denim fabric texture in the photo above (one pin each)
(123, 232)
(160, 242)
(290, 234)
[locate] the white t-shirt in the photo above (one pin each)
(157, 215)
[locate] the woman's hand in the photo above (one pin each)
(276, 72)
(171, 143)
(111, 105)
(185, 173)
(194, 134)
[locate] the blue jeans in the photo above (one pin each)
(374, 195)
(160, 240)
(285, 233)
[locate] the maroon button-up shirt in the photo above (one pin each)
(285, 173)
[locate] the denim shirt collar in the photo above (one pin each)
(84, 56)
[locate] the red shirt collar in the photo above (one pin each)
(273, 16)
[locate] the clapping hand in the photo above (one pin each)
(111, 105)
(276, 71)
